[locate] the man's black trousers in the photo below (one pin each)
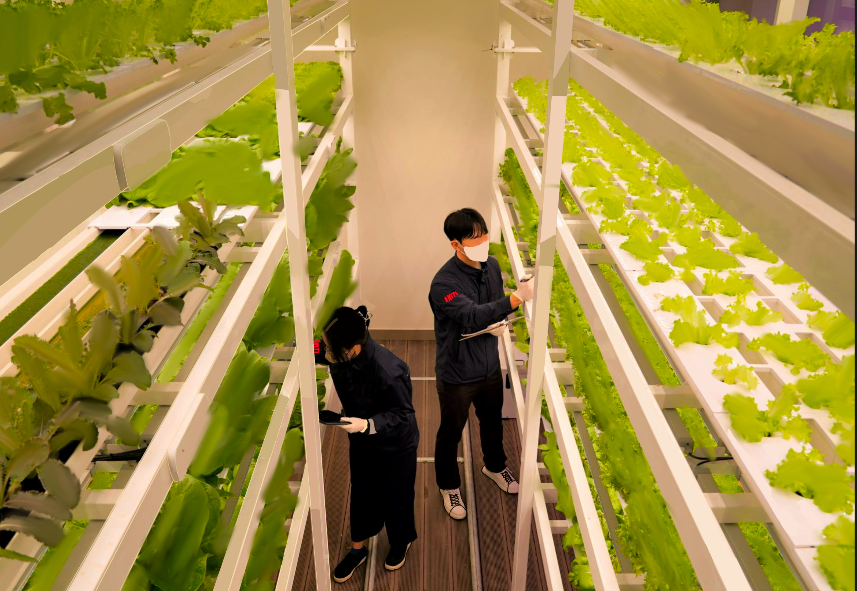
(382, 493)
(455, 400)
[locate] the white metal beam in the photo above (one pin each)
(283, 47)
(548, 197)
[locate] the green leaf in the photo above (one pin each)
(733, 375)
(107, 284)
(143, 341)
(60, 482)
(836, 556)
(340, 289)
(801, 354)
(39, 503)
(167, 312)
(130, 367)
(747, 420)
(827, 485)
(138, 579)
(705, 255)
(804, 300)
(27, 458)
(832, 389)
(46, 531)
(732, 285)
(79, 430)
(123, 430)
(838, 328)
(783, 274)
(639, 244)
(750, 245)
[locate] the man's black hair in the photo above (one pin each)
(464, 223)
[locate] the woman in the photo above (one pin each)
(374, 387)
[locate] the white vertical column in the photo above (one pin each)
(791, 10)
(504, 63)
(282, 55)
(548, 197)
(346, 58)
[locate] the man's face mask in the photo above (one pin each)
(477, 253)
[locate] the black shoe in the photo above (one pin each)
(346, 567)
(396, 558)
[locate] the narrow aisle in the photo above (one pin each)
(440, 558)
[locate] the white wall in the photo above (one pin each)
(424, 121)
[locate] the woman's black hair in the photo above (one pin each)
(347, 327)
(464, 223)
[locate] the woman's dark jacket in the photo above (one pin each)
(376, 385)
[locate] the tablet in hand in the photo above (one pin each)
(328, 417)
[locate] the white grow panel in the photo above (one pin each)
(121, 217)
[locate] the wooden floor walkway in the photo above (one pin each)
(440, 558)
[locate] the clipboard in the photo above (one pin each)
(505, 322)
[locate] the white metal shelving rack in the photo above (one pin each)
(735, 180)
(120, 518)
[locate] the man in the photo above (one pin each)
(467, 296)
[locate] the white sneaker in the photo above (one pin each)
(453, 505)
(504, 480)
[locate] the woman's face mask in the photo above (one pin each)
(477, 252)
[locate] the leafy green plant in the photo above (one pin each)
(750, 245)
(579, 575)
(838, 328)
(186, 535)
(238, 417)
(805, 473)
(328, 206)
(46, 47)
(732, 285)
(800, 354)
(704, 254)
(227, 172)
(525, 203)
(753, 424)
(590, 174)
(733, 375)
(646, 530)
(809, 69)
(836, 555)
(738, 312)
(832, 389)
(783, 274)
(657, 272)
(641, 245)
(269, 543)
(804, 300)
(691, 327)
(340, 289)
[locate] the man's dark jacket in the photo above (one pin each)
(465, 300)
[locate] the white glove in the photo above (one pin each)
(525, 288)
(497, 329)
(355, 425)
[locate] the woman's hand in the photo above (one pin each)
(355, 425)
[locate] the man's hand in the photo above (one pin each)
(497, 329)
(524, 293)
(355, 425)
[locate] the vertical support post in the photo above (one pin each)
(548, 197)
(504, 63)
(791, 10)
(345, 63)
(282, 55)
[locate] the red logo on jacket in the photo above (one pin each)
(317, 347)
(450, 296)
